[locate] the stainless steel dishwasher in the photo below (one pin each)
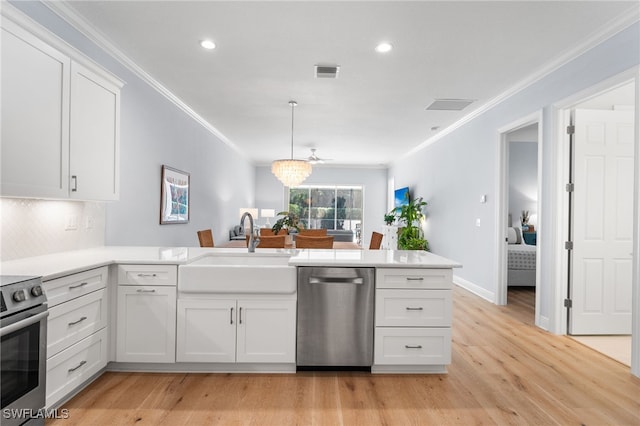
(335, 317)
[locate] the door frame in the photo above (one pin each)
(503, 205)
(561, 111)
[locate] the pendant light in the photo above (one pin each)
(291, 172)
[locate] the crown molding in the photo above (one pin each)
(615, 26)
(61, 9)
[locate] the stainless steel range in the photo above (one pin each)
(23, 349)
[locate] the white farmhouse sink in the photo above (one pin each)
(249, 273)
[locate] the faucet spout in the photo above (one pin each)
(253, 240)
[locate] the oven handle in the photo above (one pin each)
(23, 323)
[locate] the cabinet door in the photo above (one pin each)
(206, 331)
(94, 135)
(35, 116)
(146, 324)
(266, 331)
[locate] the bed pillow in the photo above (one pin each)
(514, 235)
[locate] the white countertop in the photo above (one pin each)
(59, 264)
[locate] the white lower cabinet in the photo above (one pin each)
(76, 331)
(146, 324)
(413, 320)
(236, 330)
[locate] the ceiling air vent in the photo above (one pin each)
(450, 104)
(327, 71)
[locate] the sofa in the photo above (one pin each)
(236, 233)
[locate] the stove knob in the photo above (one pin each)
(19, 296)
(36, 291)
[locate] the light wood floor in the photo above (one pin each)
(503, 371)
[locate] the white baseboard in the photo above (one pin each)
(543, 323)
(475, 289)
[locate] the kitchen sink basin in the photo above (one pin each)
(249, 273)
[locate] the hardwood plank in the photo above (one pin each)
(504, 371)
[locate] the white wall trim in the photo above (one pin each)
(502, 188)
(474, 288)
(84, 27)
(615, 26)
(635, 295)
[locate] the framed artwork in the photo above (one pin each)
(174, 196)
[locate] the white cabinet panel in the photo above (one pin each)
(66, 288)
(70, 368)
(206, 331)
(412, 346)
(414, 278)
(266, 331)
(94, 136)
(60, 119)
(230, 330)
(146, 324)
(35, 116)
(413, 308)
(71, 322)
(148, 274)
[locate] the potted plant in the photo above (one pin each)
(289, 221)
(410, 237)
(390, 217)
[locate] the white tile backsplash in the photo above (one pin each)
(35, 227)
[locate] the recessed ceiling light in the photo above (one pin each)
(208, 44)
(384, 47)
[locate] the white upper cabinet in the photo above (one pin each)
(60, 120)
(94, 135)
(35, 116)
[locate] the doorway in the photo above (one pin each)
(518, 218)
(599, 294)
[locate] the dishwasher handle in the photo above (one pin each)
(335, 280)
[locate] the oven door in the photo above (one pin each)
(24, 365)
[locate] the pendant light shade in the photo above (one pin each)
(289, 171)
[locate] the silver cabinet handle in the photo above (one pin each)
(335, 280)
(71, 287)
(414, 309)
(141, 290)
(240, 314)
(77, 366)
(74, 187)
(231, 318)
(77, 322)
(147, 275)
(415, 278)
(413, 346)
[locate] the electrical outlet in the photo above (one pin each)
(483, 199)
(89, 222)
(71, 223)
(478, 222)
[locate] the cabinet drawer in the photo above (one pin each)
(412, 346)
(414, 278)
(413, 308)
(70, 368)
(66, 288)
(70, 322)
(148, 274)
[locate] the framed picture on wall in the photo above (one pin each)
(174, 196)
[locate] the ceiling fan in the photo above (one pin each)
(314, 159)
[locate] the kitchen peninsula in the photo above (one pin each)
(118, 289)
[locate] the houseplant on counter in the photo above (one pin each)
(410, 236)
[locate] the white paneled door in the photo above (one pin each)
(602, 219)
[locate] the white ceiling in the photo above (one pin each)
(375, 110)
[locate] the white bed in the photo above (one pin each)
(521, 260)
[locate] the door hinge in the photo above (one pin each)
(568, 245)
(568, 303)
(570, 187)
(571, 129)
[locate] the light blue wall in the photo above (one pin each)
(270, 192)
(453, 173)
(155, 132)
